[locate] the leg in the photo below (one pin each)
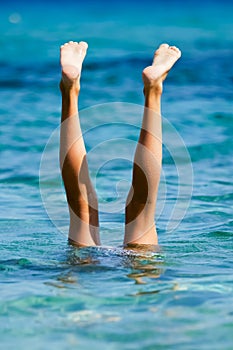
(141, 202)
(81, 197)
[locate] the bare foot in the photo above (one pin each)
(72, 55)
(164, 59)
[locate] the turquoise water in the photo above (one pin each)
(55, 296)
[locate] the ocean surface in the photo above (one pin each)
(54, 296)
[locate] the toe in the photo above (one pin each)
(161, 47)
(83, 44)
(174, 48)
(164, 45)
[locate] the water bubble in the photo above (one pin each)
(15, 18)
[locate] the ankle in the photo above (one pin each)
(153, 91)
(153, 99)
(69, 90)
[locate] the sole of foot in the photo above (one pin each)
(164, 58)
(72, 55)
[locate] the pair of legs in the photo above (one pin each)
(81, 197)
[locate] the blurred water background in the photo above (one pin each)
(55, 296)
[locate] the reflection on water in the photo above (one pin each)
(142, 269)
(139, 262)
